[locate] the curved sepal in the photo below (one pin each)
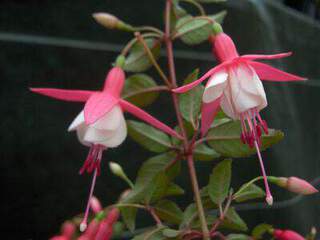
(63, 94)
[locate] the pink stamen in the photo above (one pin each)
(252, 137)
(269, 197)
(92, 163)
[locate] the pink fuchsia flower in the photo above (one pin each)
(235, 86)
(101, 124)
(286, 235)
(106, 226)
(91, 231)
(67, 231)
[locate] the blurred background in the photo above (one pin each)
(58, 44)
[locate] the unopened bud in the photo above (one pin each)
(112, 22)
(95, 205)
(116, 169)
(286, 235)
(300, 186)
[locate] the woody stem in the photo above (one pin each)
(192, 171)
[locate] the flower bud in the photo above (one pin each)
(112, 22)
(116, 169)
(300, 186)
(95, 205)
(286, 235)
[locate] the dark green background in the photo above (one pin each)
(39, 160)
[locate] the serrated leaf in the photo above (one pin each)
(260, 230)
(149, 179)
(225, 139)
(129, 217)
(250, 192)
(203, 153)
(219, 182)
(149, 137)
(233, 221)
(136, 87)
(190, 102)
(238, 237)
(169, 211)
(138, 60)
(193, 30)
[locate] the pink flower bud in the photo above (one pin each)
(105, 229)
(300, 186)
(286, 235)
(60, 237)
(107, 20)
(95, 205)
(68, 229)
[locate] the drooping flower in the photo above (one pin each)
(286, 235)
(101, 124)
(235, 86)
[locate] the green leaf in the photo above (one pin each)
(153, 175)
(138, 60)
(225, 139)
(176, 12)
(260, 230)
(238, 237)
(149, 137)
(189, 215)
(190, 102)
(169, 211)
(152, 234)
(219, 182)
(251, 191)
(129, 217)
(233, 221)
(135, 90)
(196, 30)
(173, 190)
(170, 233)
(203, 153)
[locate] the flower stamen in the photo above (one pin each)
(252, 137)
(92, 163)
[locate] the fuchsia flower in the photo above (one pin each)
(101, 124)
(286, 235)
(235, 86)
(106, 226)
(67, 231)
(300, 186)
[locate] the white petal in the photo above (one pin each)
(215, 86)
(227, 104)
(118, 137)
(81, 131)
(77, 122)
(246, 89)
(111, 120)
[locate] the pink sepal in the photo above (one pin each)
(139, 113)
(195, 83)
(62, 94)
(266, 72)
(98, 105)
(266, 57)
(208, 113)
(95, 205)
(115, 81)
